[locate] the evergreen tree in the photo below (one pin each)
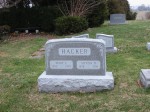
(120, 6)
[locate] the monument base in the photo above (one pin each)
(113, 50)
(68, 83)
(145, 77)
(118, 23)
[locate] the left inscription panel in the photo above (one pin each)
(61, 64)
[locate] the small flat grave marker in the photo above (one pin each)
(148, 46)
(145, 77)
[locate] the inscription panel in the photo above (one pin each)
(88, 65)
(61, 64)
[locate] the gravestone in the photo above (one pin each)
(109, 40)
(36, 31)
(26, 31)
(148, 46)
(81, 36)
(75, 65)
(145, 77)
(16, 32)
(117, 19)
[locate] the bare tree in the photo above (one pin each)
(77, 7)
(8, 3)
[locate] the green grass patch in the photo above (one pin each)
(19, 73)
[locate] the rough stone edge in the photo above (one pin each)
(144, 82)
(56, 84)
(114, 50)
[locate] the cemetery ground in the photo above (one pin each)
(19, 73)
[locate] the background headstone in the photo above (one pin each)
(26, 31)
(36, 31)
(109, 40)
(148, 46)
(145, 77)
(117, 19)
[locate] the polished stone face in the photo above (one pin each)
(117, 19)
(109, 39)
(75, 56)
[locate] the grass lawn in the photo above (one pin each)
(19, 73)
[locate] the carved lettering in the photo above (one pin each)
(74, 51)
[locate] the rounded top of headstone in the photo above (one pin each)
(104, 35)
(81, 36)
(75, 39)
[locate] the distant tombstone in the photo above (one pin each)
(117, 19)
(75, 64)
(145, 77)
(148, 46)
(16, 32)
(81, 36)
(36, 31)
(26, 31)
(109, 40)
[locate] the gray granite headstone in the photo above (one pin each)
(117, 19)
(109, 40)
(81, 36)
(145, 77)
(75, 57)
(75, 64)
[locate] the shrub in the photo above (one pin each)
(4, 30)
(47, 18)
(69, 24)
(98, 15)
(131, 16)
(148, 15)
(43, 17)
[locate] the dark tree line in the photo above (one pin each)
(44, 13)
(143, 8)
(121, 6)
(114, 6)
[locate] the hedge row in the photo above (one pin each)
(50, 19)
(69, 24)
(31, 17)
